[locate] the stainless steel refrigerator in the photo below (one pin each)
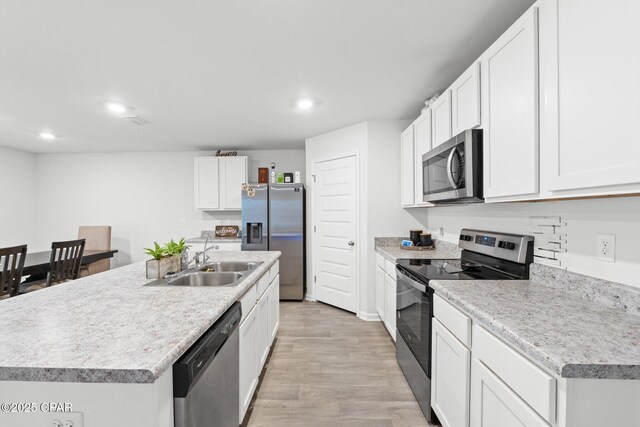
(273, 220)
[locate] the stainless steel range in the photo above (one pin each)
(485, 255)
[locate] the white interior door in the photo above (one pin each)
(335, 249)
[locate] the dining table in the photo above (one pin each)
(37, 263)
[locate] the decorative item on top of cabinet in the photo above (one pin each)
(465, 100)
(218, 181)
(227, 154)
(263, 175)
(441, 119)
(510, 111)
(590, 146)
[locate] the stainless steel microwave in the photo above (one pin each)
(452, 172)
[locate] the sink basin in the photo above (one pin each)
(233, 266)
(201, 278)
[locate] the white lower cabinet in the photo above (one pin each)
(257, 332)
(248, 361)
(494, 404)
(263, 335)
(380, 292)
(450, 378)
(390, 305)
(274, 309)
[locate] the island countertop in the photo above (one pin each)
(109, 328)
(571, 336)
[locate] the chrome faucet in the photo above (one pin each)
(202, 253)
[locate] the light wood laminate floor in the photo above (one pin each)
(329, 368)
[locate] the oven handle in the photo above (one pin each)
(452, 181)
(419, 286)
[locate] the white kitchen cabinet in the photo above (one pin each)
(206, 172)
(494, 404)
(218, 181)
(465, 100)
(422, 144)
(263, 334)
(441, 119)
(510, 111)
(380, 292)
(257, 332)
(450, 379)
(390, 305)
(407, 167)
(589, 88)
(274, 309)
(248, 361)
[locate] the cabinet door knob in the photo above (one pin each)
(351, 243)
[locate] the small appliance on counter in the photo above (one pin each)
(452, 172)
(485, 255)
(273, 219)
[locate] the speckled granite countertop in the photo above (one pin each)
(109, 328)
(389, 247)
(572, 336)
(215, 240)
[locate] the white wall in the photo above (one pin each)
(585, 219)
(377, 144)
(143, 196)
(17, 197)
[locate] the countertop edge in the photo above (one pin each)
(561, 369)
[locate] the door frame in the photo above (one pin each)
(313, 295)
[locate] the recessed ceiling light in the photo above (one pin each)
(47, 135)
(116, 108)
(305, 104)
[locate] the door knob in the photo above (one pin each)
(351, 243)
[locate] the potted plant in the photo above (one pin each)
(180, 249)
(165, 258)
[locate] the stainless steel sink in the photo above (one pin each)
(201, 278)
(233, 266)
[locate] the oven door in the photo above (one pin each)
(453, 171)
(413, 317)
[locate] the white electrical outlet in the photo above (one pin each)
(606, 247)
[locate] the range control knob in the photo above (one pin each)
(465, 237)
(506, 245)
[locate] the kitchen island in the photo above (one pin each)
(106, 343)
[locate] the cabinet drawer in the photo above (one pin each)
(262, 284)
(453, 319)
(531, 383)
(274, 271)
(248, 300)
(380, 261)
(390, 268)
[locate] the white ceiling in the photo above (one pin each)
(224, 74)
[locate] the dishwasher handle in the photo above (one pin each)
(188, 369)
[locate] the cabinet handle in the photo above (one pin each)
(351, 243)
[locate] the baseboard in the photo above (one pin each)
(309, 297)
(369, 317)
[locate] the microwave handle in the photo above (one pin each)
(452, 181)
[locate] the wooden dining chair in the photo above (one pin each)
(64, 265)
(11, 264)
(98, 237)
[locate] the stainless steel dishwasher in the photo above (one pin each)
(206, 377)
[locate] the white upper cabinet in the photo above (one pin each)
(510, 111)
(206, 190)
(590, 94)
(422, 139)
(218, 182)
(407, 167)
(465, 100)
(441, 119)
